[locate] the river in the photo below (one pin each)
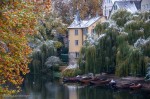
(42, 87)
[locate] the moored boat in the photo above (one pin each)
(100, 82)
(71, 79)
(87, 80)
(123, 86)
(135, 86)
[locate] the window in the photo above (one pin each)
(108, 1)
(115, 7)
(92, 31)
(85, 31)
(76, 32)
(76, 42)
(77, 54)
(147, 6)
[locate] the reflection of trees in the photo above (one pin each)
(43, 88)
(39, 87)
(35, 86)
(103, 93)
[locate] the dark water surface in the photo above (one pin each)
(41, 87)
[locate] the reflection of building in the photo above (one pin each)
(77, 32)
(72, 92)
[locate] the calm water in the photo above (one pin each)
(38, 87)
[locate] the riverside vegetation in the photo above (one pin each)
(122, 48)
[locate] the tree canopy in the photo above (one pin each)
(122, 46)
(18, 20)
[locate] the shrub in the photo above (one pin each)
(71, 72)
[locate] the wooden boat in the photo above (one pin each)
(87, 80)
(100, 82)
(71, 79)
(135, 86)
(123, 86)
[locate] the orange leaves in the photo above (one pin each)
(17, 20)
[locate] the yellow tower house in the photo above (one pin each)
(78, 30)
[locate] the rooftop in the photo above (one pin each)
(83, 23)
(131, 6)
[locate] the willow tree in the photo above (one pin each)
(121, 17)
(130, 58)
(82, 58)
(122, 46)
(135, 30)
(40, 55)
(45, 41)
(48, 27)
(90, 59)
(106, 50)
(136, 63)
(101, 27)
(122, 56)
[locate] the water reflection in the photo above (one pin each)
(39, 87)
(72, 92)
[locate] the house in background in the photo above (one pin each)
(77, 32)
(109, 6)
(131, 6)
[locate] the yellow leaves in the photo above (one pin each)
(16, 22)
(58, 44)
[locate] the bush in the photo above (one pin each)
(71, 72)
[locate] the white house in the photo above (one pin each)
(109, 6)
(131, 6)
(145, 5)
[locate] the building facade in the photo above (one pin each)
(77, 33)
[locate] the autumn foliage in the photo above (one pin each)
(18, 20)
